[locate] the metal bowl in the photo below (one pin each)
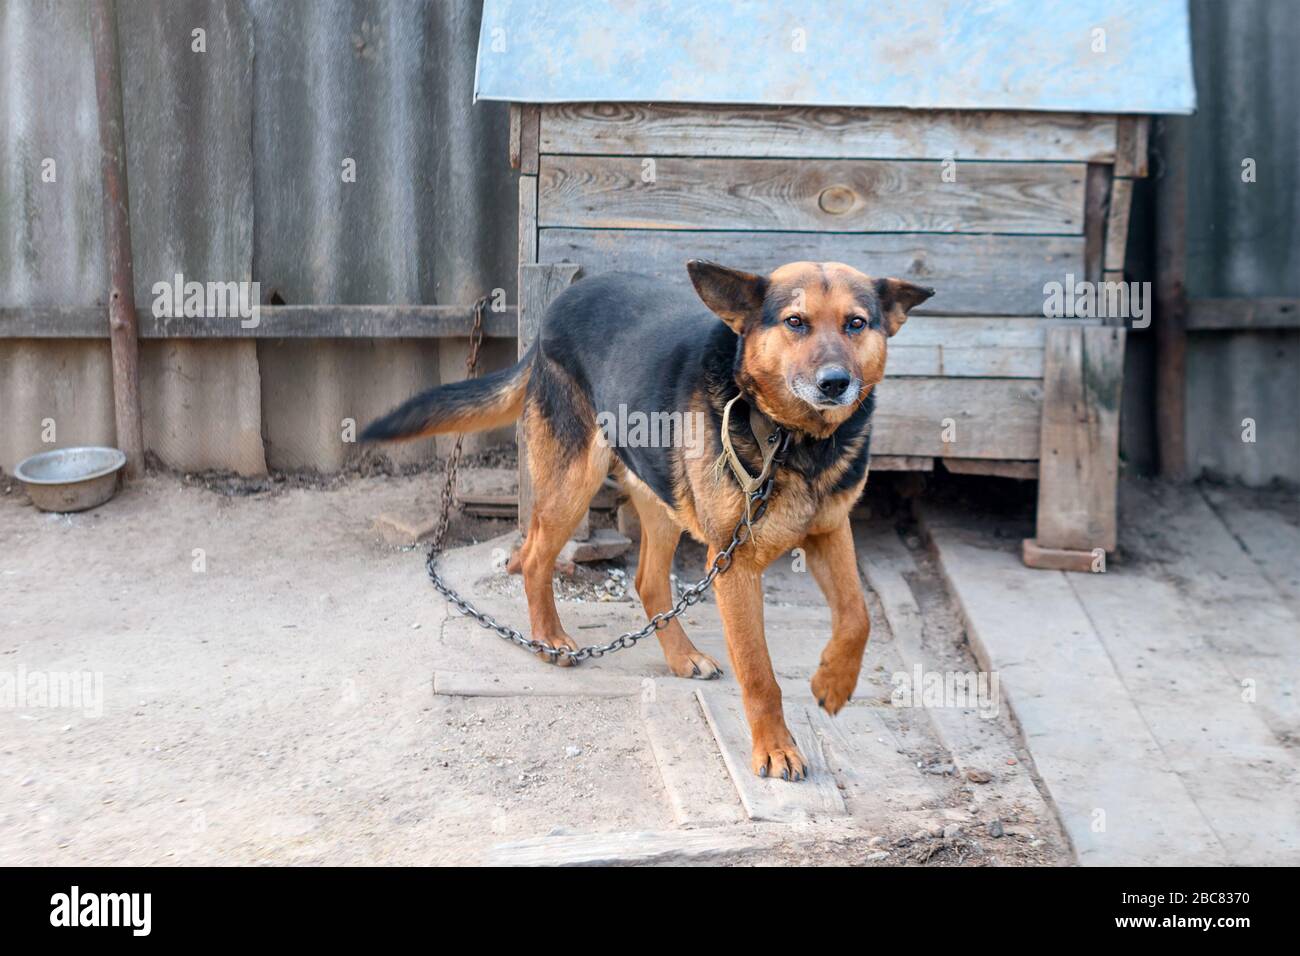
(71, 479)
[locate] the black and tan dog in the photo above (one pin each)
(805, 346)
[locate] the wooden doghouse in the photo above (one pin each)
(998, 174)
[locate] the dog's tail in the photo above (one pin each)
(469, 406)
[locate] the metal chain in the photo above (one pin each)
(689, 596)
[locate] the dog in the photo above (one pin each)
(802, 348)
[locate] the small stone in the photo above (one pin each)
(878, 856)
(572, 751)
(877, 841)
(996, 829)
(951, 832)
(978, 776)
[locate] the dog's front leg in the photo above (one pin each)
(833, 563)
(740, 600)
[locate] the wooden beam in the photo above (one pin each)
(529, 122)
(123, 336)
(902, 463)
(516, 126)
(1083, 375)
(1095, 206)
(958, 417)
(1132, 144)
(273, 322)
(997, 468)
(801, 132)
(1171, 300)
(1226, 315)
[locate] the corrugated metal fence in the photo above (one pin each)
(235, 159)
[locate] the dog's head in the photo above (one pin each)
(814, 335)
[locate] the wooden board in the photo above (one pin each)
(1121, 200)
(968, 347)
(699, 788)
(1079, 457)
(807, 132)
(880, 780)
(990, 417)
(777, 801)
(1237, 314)
(274, 322)
(901, 463)
(1117, 797)
(614, 849)
(614, 192)
(1132, 144)
(1272, 541)
(998, 468)
(972, 275)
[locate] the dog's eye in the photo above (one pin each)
(794, 321)
(857, 322)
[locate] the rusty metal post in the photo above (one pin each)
(117, 232)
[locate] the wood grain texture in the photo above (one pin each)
(990, 417)
(611, 192)
(529, 120)
(699, 789)
(968, 347)
(997, 468)
(1228, 314)
(806, 132)
(1132, 144)
(901, 463)
(972, 275)
(1079, 464)
(1121, 200)
(1096, 202)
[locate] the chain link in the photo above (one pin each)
(688, 597)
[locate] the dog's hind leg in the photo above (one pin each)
(565, 479)
(659, 537)
(832, 562)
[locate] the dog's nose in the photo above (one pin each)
(833, 380)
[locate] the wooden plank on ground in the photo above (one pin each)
(552, 682)
(973, 275)
(777, 801)
(1241, 778)
(1117, 797)
(958, 417)
(699, 789)
(1240, 612)
(617, 192)
(639, 129)
(1272, 540)
(880, 779)
(613, 849)
(1079, 450)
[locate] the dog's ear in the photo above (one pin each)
(897, 298)
(737, 297)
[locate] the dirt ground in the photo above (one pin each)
(267, 662)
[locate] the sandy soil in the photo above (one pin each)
(266, 665)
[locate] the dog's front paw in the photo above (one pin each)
(695, 664)
(561, 641)
(775, 755)
(833, 685)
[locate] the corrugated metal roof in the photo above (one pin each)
(923, 54)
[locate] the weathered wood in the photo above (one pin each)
(778, 801)
(968, 347)
(529, 132)
(1132, 145)
(614, 192)
(901, 463)
(1022, 470)
(1171, 300)
(1060, 559)
(615, 849)
(983, 417)
(1225, 315)
(1092, 748)
(1079, 447)
(528, 244)
(543, 683)
(1096, 202)
(698, 787)
(879, 778)
(516, 124)
(819, 132)
(1121, 201)
(973, 275)
(273, 322)
(122, 325)
(1272, 542)
(538, 287)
